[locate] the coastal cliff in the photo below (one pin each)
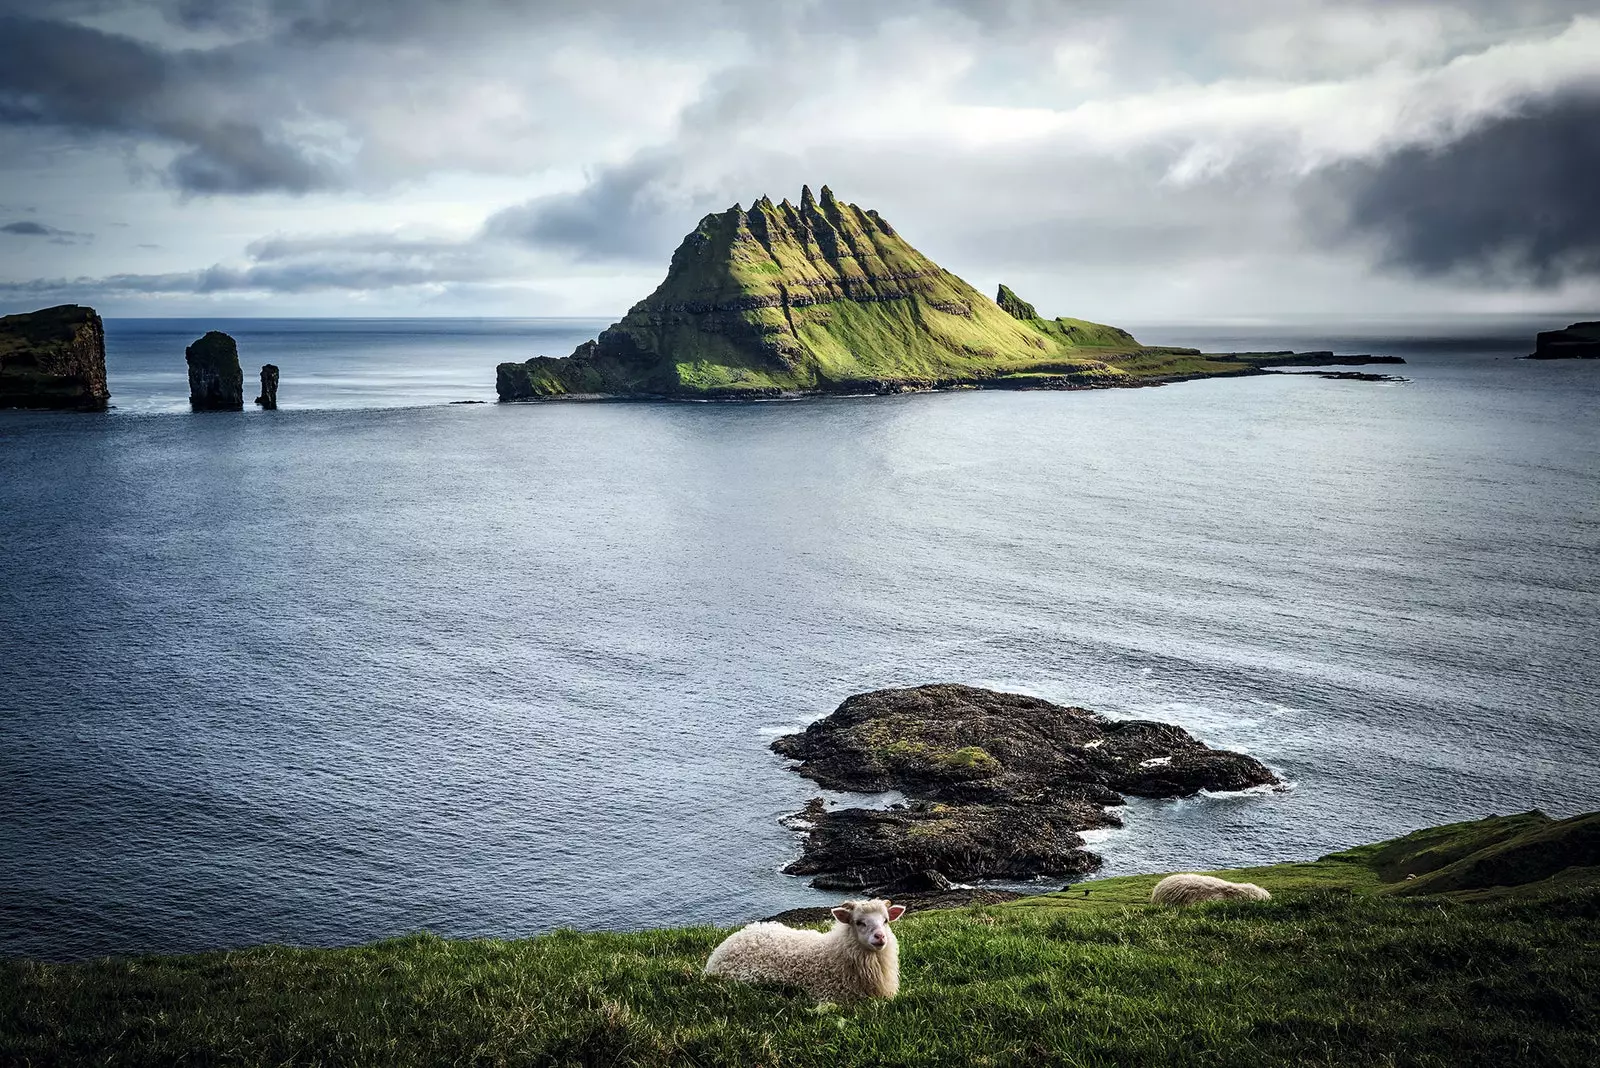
(1580, 341)
(824, 297)
(54, 358)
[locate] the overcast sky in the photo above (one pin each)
(1144, 161)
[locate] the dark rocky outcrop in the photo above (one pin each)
(1580, 341)
(1014, 305)
(54, 358)
(1359, 376)
(216, 381)
(269, 387)
(999, 784)
(1322, 358)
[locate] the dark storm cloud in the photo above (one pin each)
(63, 75)
(1512, 199)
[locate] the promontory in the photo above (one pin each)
(825, 297)
(1580, 341)
(54, 358)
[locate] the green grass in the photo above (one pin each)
(1336, 970)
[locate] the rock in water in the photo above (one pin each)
(216, 381)
(1580, 341)
(1000, 784)
(54, 358)
(269, 387)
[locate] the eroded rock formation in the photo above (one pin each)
(216, 381)
(269, 387)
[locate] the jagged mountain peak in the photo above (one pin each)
(816, 297)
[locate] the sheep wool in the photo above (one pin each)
(1190, 889)
(858, 957)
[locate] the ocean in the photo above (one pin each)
(379, 663)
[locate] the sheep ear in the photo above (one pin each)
(844, 914)
(895, 912)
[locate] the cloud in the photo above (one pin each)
(72, 77)
(1144, 143)
(360, 262)
(633, 210)
(30, 228)
(1512, 199)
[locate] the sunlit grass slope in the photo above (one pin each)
(1347, 965)
(823, 296)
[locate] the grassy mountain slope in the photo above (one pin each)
(819, 297)
(1339, 969)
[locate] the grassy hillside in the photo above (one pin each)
(1339, 969)
(820, 297)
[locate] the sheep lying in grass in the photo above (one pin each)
(857, 958)
(1187, 889)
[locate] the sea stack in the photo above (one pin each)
(269, 387)
(54, 358)
(216, 382)
(1580, 341)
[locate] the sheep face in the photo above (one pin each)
(869, 922)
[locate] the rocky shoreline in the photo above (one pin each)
(999, 786)
(1253, 364)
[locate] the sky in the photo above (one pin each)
(1134, 161)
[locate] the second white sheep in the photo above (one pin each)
(1190, 889)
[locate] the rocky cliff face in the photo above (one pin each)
(216, 381)
(822, 296)
(53, 358)
(1580, 341)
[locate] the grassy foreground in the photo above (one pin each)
(1351, 963)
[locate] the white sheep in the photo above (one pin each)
(1189, 889)
(857, 958)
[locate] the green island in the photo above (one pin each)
(824, 297)
(1469, 944)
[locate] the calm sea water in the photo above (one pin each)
(350, 670)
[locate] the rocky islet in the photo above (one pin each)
(268, 400)
(216, 381)
(998, 785)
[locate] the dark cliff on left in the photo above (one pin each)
(54, 358)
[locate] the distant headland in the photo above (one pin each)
(825, 297)
(1580, 341)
